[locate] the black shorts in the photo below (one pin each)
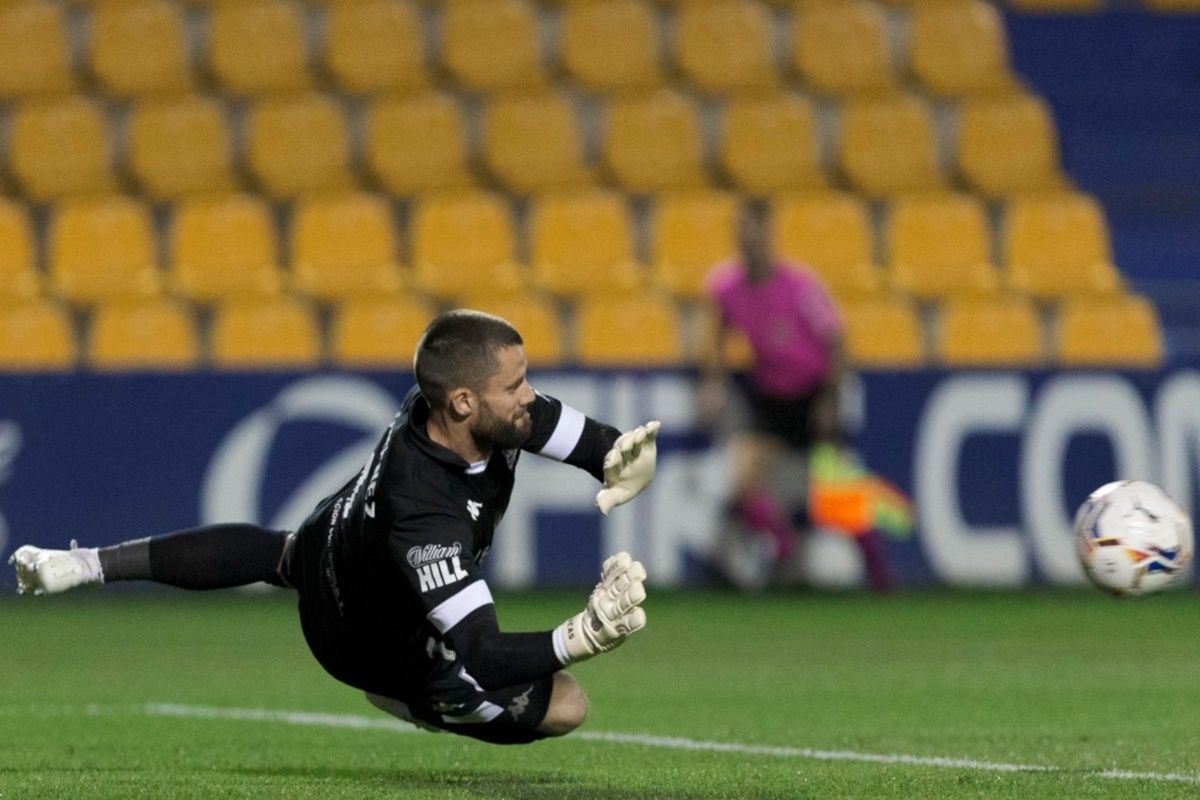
(787, 419)
(440, 696)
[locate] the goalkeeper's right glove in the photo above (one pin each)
(613, 613)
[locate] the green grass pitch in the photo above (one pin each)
(772, 697)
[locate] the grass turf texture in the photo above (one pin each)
(1071, 680)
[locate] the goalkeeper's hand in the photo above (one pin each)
(613, 612)
(628, 466)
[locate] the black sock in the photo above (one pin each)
(212, 557)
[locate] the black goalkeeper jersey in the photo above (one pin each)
(403, 542)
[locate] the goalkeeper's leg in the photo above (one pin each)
(210, 557)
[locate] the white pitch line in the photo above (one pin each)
(355, 721)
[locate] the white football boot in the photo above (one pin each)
(52, 571)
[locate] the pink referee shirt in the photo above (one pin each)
(789, 319)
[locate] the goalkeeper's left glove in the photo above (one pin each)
(628, 466)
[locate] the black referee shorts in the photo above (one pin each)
(788, 419)
(395, 670)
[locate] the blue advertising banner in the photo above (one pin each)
(996, 462)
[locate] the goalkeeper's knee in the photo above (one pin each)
(568, 707)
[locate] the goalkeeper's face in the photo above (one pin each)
(503, 420)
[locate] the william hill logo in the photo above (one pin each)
(436, 565)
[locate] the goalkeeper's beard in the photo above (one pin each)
(493, 432)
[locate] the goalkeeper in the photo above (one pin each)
(388, 569)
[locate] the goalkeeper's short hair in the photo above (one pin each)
(459, 349)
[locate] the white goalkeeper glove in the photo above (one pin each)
(613, 612)
(628, 466)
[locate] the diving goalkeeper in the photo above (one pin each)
(392, 600)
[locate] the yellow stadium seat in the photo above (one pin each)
(1119, 331)
(36, 336)
(842, 48)
(582, 242)
(533, 143)
(735, 350)
(997, 332)
(534, 317)
(725, 45)
(35, 57)
(1008, 144)
(829, 232)
(653, 143)
(344, 246)
(378, 333)
(102, 248)
(490, 45)
(180, 147)
(629, 331)
(690, 233)
(464, 241)
(139, 48)
(1058, 6)
(960, 48)
(611, 46)
(224, 247)
(938, 245)
(257, 47)
(264, 334)
(1058, 245)
(887, 145)
(375, 46)
(298, 145)
(417, 144)
(769, 144)
(154, 334)
(19, 279)
(883, 332)
(59, 148)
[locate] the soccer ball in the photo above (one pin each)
(1133, 539)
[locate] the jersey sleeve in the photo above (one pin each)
(565, 434)
(433, 554)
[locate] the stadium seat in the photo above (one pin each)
(533, 143)
(462, 242)
(417, 144)
(492, 45)
(829, 232)
(153, 334)
(298, 145)
(343, 246)
(960, 48)
(535, 317)
(264, 334)
(1008, 144)
(375, 46)
(35, 58)
(842, 48)
(179, 147)
(724, 46)
(257, 47)
(102, 248)
(996, 332)
(60, 148)
(611, 46)
(641, 330)
(19, 278)
(883, 332)
(938, 245)
(887, 145)
(139, 48)
(1057, 245)
(653, 143)
(736, 352)
(378, 333)
(690, 233)
(582, 243)
(1120, 331)
(224, 247)
(1057, 6)
(769, 144)
(36, 336)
